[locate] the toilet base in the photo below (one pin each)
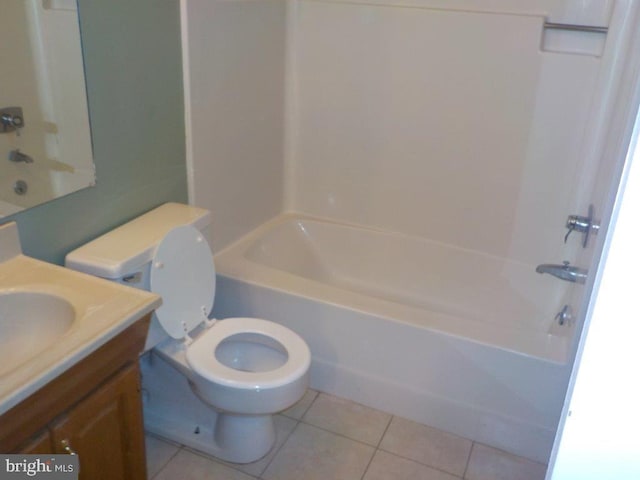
(177, 414)
(232, 438)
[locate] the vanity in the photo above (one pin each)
(69, 377)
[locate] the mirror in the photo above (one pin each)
(45, 139)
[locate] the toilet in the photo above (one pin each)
(213, 385)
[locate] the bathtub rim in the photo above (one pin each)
(231, 262)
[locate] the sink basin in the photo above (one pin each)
(51, 318)
(29, 323)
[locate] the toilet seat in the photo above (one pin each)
(183, 274)
(201, 355)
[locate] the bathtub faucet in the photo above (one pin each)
(564, 272)
(19, 157)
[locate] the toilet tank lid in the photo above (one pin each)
(128, 247)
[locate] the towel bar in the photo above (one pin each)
(575, 28)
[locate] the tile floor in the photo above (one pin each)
(329, 438)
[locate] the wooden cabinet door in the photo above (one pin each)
(105, 430)
(40, 443)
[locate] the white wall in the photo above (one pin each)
(598, 436)
(448, 124)
(235, 92)
(454, 126)
(579, 12)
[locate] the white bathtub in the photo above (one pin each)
(451, 338)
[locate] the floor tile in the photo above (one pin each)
(488, 463)
(284, 427)
(426, 445)
(347, 418)
(187, 465)
(159, 453)
(300, 408)
(386, 466)
(314, 454)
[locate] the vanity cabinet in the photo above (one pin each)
(40, 443)
(105, 430)
(93, 409)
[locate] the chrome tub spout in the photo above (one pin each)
(564, 272)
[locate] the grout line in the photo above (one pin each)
(310, 405)
(164, 440)
(364, 474)
(338, 434)
(217, 461)
(198, 453)
(505, 452)
(305, 410)
(433, 467)
(377, 447)
(466, 467)
(166, 463)
(277, 451)
(385, 431)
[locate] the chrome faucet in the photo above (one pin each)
(11, 119)
(18, 157)
(564, 272)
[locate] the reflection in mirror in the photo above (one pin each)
(45, 144)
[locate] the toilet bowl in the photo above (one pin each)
(211, 385)
(265, 361)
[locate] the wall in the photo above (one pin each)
(597, 437)
(236, 54)
(579, 12)
(460, 126)
(134, 77)
(460, 121)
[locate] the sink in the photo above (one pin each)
(29, 323)
(51, 318)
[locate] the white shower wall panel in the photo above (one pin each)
(235, 53)
(449, 125)
(577, 12)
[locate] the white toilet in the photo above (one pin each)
(211, 385)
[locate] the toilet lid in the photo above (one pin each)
(183, 274)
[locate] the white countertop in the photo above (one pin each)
(103, 309)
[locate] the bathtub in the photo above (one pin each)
(451, 338)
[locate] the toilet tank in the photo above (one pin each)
(123, 251)
(124, 254)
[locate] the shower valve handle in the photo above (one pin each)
(585, 225)
(570, 227)
(11, 119)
